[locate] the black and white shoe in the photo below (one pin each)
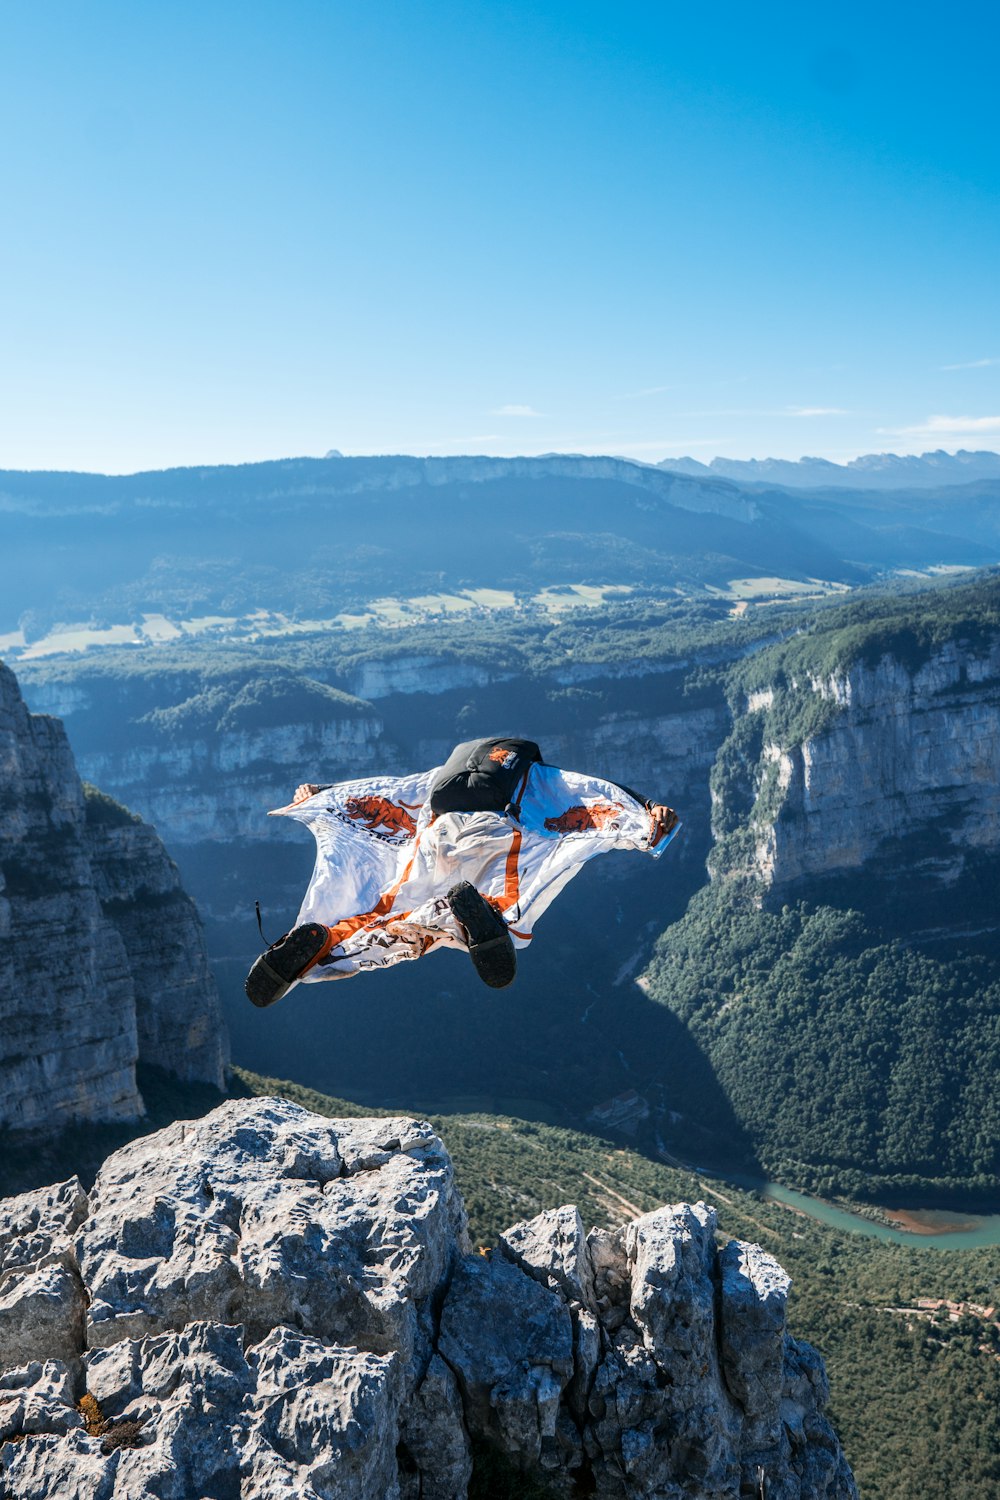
(285, 961)
(490, 947)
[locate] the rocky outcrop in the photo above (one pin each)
(102, 961)
(900, 750)
(269, 1303)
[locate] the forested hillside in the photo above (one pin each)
(151, 556)
(842, 972)
(856, 1064)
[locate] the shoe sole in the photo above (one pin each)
(286, 961)
(490, 947)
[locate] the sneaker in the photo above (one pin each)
(285, 961)
(490, 947)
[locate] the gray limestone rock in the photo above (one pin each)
(102, 962)
(900, 748)
(42, 1315)
(252, 1215)
(38, 1227)
(754, 1296)
(42, 1307)
(283, 1307)
(434, 1439)
(552, 1247)
(509, 1341)
(191, 1414)
(37, 1397)
(179, 1025)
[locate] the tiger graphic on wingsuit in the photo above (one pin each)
(579, 819)
(379, 812)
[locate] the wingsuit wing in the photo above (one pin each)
(384, 862)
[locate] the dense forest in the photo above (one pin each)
(856, 1065)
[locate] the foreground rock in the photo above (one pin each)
(267, 1303)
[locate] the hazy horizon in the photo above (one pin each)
(399, 452)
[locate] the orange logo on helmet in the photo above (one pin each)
(503, 757)
(379, 812)
(580, 819)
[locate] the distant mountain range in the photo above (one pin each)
(312, 536)
(873, 471)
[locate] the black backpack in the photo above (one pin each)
(485, 776)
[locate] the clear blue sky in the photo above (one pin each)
(242, 231)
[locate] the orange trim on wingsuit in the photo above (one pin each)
(511, 882)
(350, 925)
(321, 954)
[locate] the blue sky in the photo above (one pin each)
(235, 232)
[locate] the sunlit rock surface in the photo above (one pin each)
(903, 751)
(278, 1304)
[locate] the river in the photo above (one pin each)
(971, 1231)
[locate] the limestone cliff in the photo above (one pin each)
(270, 1303)
(208, 768)
(102, 960)
(879, 764)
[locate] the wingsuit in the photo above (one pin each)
(466, 856)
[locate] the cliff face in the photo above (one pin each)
(102, 961)
(207, 768)
(899, 753)
(202, 772)
(220, 786)
(266, 1302)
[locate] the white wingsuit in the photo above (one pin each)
(384, 861)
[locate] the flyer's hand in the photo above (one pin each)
(665, 820)
(304, 792)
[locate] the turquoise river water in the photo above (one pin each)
(970, 1232)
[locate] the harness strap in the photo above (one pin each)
(260, 927)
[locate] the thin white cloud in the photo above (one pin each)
(817, 411)
(515, 410)
(973, 364)
(943, 426)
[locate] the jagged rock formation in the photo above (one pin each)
(269, 1303)
(875, 471)
(102, 960)
(900, 750)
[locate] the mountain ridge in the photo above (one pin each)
(869, 471)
